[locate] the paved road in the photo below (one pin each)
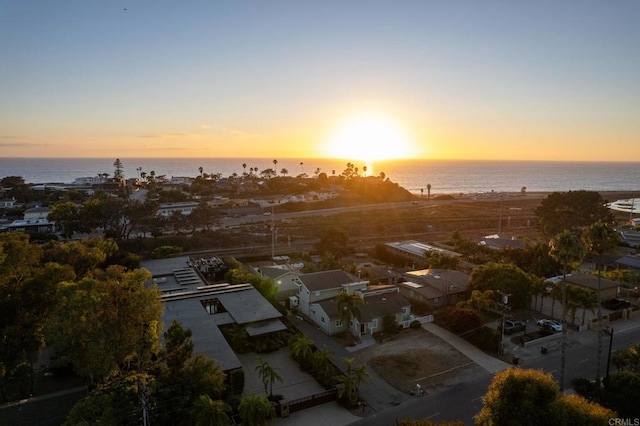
(464, 400)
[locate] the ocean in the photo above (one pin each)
(444, 176)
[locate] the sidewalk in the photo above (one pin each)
(489, 363)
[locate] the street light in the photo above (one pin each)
(610, 333)
(505, 302)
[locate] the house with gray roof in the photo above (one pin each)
(285, 278)
(318, 286)
(375, 307)
(204, 308)
(451, 284)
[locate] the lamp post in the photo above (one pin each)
(505, 302)
(610, 332)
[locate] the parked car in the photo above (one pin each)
(551, 325)
(616, 304)
(512, 326)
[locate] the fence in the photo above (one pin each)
(311, 400)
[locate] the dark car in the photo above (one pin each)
(616, 304)
(512, 326)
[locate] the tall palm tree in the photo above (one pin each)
(244, 169)
(201, 169)
(284, 172)
(566, 248)
(275, 165)
(351, 381)
(322, 366)
(598, 238)
(428, 190)
(364, 171)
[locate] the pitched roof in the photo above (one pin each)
(325, 280)
(373, 306)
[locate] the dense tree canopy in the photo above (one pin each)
(506, 278)
(530, 397)
(106, 324)
(571, 210)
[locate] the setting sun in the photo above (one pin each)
(369, 137)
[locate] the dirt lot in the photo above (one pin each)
(417, 356)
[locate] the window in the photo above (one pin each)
(405, 310)
(339, 323)
(322, 320)
(374, 324)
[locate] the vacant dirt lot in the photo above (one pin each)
(417, 356)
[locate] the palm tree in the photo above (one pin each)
(284, 172)
(350, 382)
(256, 410)
(348, 306)
(322, 366)
(244, 169)
(208, 412)
(301, 348)
(566, 248)
(301, 167)
(598, 238)
(364, 171)
(428, 190)
(275, 165)
(201, 169)
(268, 374)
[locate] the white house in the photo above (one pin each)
(285, 277)
(185, 208)
(325, 285)
(378, 302)
(36, 213)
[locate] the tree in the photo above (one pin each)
(301, 348)
(256, 410)
(66, 215)
(333, 241)
(350, 382)
(507, 278)
(571, 210)
(107, 324)
(268, 375)
(322, 366)
(481, 300)
(598, 238)
(439, 260)
(348, 306)
(566, 248)
(531, 397)
(207, 412)
(118, 173)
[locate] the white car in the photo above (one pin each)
(549, 324)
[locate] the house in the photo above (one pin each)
(185, 208)
(325, 285)
(36, 213)
(416, 251)
(203, 308)
(631, 263)
(496, 242)
(377, 304)
(608, 289)
(7, 203)
(285, 277)
(451, 284)
(422, 292)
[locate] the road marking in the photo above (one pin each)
(433, 415)
(584, 360)
(478, 398)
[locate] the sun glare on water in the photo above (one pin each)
(369, 137)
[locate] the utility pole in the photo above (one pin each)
(273, 234)
(505, 303)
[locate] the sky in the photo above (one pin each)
(499, 80)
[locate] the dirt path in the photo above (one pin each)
(417, 356)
